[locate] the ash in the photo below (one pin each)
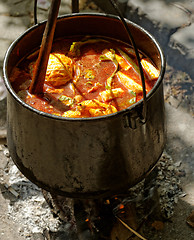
(161, 190)
(169, 185)
(30, 211)
(28, 208)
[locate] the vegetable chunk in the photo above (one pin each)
(75, 51)
(129, 60)
(97, 108)
(72, 114)
(110, 94)
(123, 63)
(129, 83)
(152, 72)
(59, 70)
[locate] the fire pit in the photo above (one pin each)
(92, 157)
(86, 166)
(93, 160)
(147, 204)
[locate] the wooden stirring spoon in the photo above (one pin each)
(39, 72)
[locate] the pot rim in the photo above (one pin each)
(73, 15)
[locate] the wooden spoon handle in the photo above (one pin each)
(40, 68)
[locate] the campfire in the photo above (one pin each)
(129, 216)
(100, 176)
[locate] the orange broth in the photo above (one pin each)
(87, 93)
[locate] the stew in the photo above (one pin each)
(86, 77)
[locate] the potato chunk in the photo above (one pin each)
(152, 72)
(110, 94)
(59, 70)
(96, 112)
(129, 83)
(97, 108)
(123, 63)
(72, 114)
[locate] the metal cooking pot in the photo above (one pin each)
(90, 157)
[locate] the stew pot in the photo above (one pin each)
(90, 157)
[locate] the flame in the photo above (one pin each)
(121, 206)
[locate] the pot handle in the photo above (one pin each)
(142, 117)
(75, 9)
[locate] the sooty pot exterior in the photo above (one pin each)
(93, 157)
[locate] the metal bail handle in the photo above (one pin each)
(75, 9)
(143, 117)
